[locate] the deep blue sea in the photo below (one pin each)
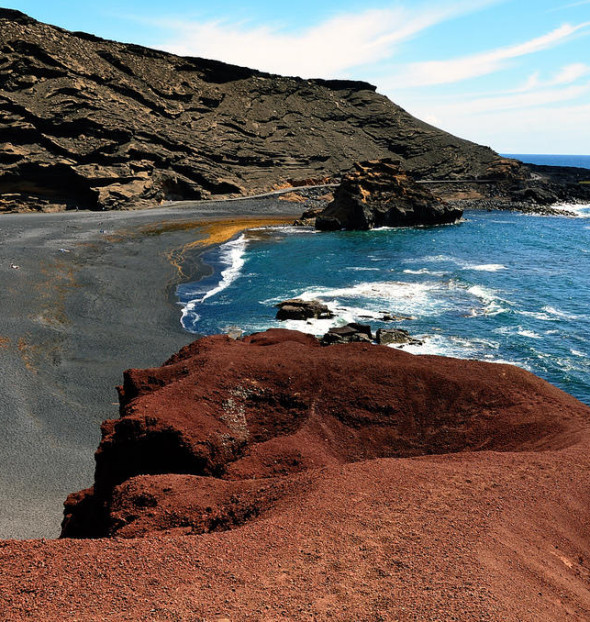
(499, 286)
(581, 161)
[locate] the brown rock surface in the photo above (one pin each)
(388, 487)
(94, 123)
(380, 193)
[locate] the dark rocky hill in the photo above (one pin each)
(98, 124)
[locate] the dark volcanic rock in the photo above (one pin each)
(386, 336)
(97, 124)
(225, 429)
(297, 309)
(348, 334)
(379, 193)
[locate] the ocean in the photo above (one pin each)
(581, 161)
(499, 287)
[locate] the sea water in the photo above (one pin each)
(580, 161)
(498, 286)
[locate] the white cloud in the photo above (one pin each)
(328, 49)
(566, 75)
(455, 70)
(559, 129)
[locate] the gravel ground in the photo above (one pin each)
(84, 296)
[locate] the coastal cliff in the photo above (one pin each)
(221, 433)
(96, 124)
(272, 478)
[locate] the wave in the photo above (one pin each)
(552, 311)
(232, 255)
(581, 211)
(486, 267)
(489, 299)
(424, 271)
(362, 269)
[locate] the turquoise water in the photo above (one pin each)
(581, 161)
(498, 287)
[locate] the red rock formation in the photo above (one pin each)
(497, 529)
(226, 429)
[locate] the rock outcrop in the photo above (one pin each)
(379, 193)
(229, 430)
(97, 124)
(297, 309)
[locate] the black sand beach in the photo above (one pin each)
(86, 295)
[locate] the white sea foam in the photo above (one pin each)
(560, 314)
(490, 300)
(517, 330)
(362, 269)
(529, 333)
(577, 353)
(538, 315)
(423, 271)
(581, 211)
(486, 267)
(430, 259)
(232, 255)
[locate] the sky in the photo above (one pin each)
(511, 74)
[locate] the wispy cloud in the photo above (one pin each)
(328, 49)
(566, 75)
(456, 70)
(570, 6)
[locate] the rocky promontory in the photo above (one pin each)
(380, 193)
(271, 478)
(222, 433)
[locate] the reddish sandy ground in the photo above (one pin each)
(485, 535)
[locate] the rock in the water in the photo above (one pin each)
(297, 309)
(379, 193)
(350, 333)
(392, 317)
(387, 336)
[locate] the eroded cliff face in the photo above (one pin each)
(228, 431)
(97, 124)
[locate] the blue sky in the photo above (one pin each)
(512, 74)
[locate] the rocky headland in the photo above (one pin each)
(94, 124)
(388, 485)
(380, 193)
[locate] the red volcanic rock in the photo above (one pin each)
(227, 431)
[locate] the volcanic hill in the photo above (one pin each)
(271, 478)
(94, 124)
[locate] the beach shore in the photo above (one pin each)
(86, 295)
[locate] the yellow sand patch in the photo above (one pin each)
(219, 231)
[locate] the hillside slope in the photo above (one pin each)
(97, 124)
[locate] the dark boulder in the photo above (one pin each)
(538, 196)
(297, 309)
(387, 336)
(379, 193)
(348, 334)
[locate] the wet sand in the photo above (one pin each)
(84, 296)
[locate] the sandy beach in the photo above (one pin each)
(86, 295)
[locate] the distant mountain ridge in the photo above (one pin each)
(94, 124)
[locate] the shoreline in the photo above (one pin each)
(87, 295)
